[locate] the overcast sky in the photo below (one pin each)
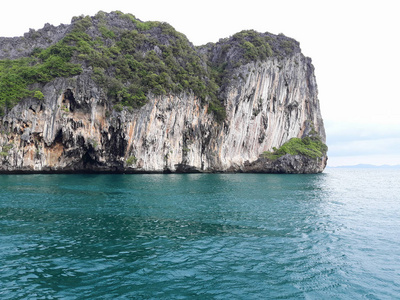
(354, 45)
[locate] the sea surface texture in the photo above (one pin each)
(334, 235)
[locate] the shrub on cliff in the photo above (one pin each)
(312, 147)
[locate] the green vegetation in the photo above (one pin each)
(16, 75)
(106, 33)
(129, 62)
(38, 95)
(42, 66)
(141, 26)
(243, 47)
(312, 147)
(118, 107)
(139, 62)
(131, 160)
(287, 47)
(255, 46)
(5, 149)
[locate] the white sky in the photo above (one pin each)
(354, 45)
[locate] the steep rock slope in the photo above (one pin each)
(233, 101)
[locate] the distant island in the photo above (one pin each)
(367, 166)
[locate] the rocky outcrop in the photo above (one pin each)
(15, 47)
(287, 164)
(75, 128)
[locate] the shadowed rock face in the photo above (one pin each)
(74, 127)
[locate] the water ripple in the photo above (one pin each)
(205, 236)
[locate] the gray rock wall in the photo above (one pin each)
(74, 129)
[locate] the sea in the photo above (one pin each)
(334, 235)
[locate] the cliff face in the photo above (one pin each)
(75, 128)
(274, 104)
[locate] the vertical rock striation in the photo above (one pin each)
(74, 128)
(274, 103)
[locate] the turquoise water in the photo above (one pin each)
(334, 235)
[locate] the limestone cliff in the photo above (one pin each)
(77, 124)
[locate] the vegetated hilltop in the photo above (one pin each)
(129, 59)
(122, 64)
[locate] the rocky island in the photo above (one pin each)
(111, 93)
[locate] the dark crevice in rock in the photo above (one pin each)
(58, 138)
(69, 98)
(88, 161)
